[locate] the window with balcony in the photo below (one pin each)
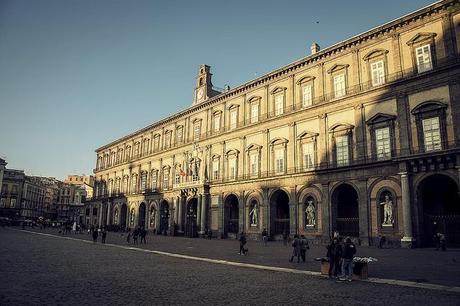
(423, 51)
(377, 73)
(376, 61)
(128, 153)
(156, 142)
(134, 183)
(279, 161)
(255, 112)
(233, 118)
(232, 164)
(2, 202)
(165, 178)
(341, 136)
(125, 184)
(153, 179)
(339, 85)
(196, 130)
(254, 164)
(279, 104)
(430, 119)
(307, 95)
(308, 155)
(217, 121)
(383, 143)
(137, 149)
(215, 168)
(180, 134)
(143, 181)
(168, 139)
(13, 203)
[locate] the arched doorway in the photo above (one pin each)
(164, 217)
(279, 208)
(152, 218)
(123, 213)
(231, 215)
(141, 216)
(191, 229)
(438, 198)
(345, 211)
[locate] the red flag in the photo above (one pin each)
(182, 172)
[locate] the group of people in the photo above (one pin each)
(299, 248)
(138, 232)
(95, 234)
(340, 255)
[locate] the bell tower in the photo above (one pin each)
(203, 88)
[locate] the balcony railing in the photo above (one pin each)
(390, 79)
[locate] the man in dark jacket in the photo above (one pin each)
(349, 251)
(243, 251)
(334, 253)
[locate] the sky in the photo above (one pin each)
(78, 74)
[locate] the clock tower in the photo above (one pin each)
(203, 88)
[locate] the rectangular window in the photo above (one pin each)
(308, 151)
(215, 169)
(279, 104)
(166, 180)
(217, 123)
(431, 134)
(377, 73)
(382, 143)
(196, 131)
(279, 160)
(156, 143)
(179, 135)
(339, 85)
(2, 202)
(254, 164)
(232, 168)
(341, 145)
(307, 97)
(13, 203)
(233, 119)
(177, 177)
(254, 112)
(154, 179)
(143, 181)
(423, 56)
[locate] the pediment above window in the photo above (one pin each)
(179, 127)
(278, 90)
(166, 168)
(337, 67)
(421, 37)
(217, 113)
(379, 118)
(232, 153)
(306, 135)
(375, 53)
(157, 135)
(196, 120)
(233, 106)
(253, 147)
(341, 127)
(278, 141)
(428, 106)
(254, 99)
(305, 79)
(215, 156)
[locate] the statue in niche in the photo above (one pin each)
(153, 214)
(387, 215)
(310, 213)
(131, 219)
(253, 215)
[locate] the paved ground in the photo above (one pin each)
(39, 270)
(418, 265)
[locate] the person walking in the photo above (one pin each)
(349, 251)
(295, 249)
(441, 241)
(104, 235)
(243, 241)
(303, 247)
(95, 235)
(334, 254)
(265, 236)
(135, 235)
(128, 237)
(143, 234)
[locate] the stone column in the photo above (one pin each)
(363, 212)
(181, 203)
(241, 214)
(449, 37)
(454, 92)
(407, 239)
(293, 216)
(396, 54)
(360, 134)
(326, 228)
(108, 221)
(266, 158)
(198, 213)
(291, 148)
(267, 214)
(322, 142)
(220, 219)
(402, 106)
(203, 205)
(100, 211)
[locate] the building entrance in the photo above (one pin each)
(345, 211)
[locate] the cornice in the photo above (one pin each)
(314, 59)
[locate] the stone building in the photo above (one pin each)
(11, 195)
(361, 138)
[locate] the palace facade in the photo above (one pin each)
(362, 138)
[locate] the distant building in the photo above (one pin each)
(80, 180)
(11, 195)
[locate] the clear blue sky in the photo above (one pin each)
(77, 74)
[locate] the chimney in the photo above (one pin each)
(314, 48)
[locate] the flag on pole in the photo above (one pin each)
(182, 172)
